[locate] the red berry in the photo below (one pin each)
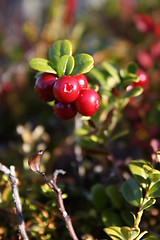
(65, 110)
(144, 59)
(88, 102)
(66, 89)
(143, 81)
(82, 80)
(143, 22)
(157, 30)
(44, 86)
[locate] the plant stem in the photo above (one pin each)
(52, 184)
(10, 173)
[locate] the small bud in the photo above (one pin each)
(34, 161)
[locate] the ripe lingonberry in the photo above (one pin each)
(143, 80)
(44, 86)
(88, 102)
(65, 110)
(143, 22)
(66, 89)
(82, 80)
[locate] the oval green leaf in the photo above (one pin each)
(134, 92)
(154, 191)
(137, 169)
(132, 192)
(111, 218)
(112, 70)
(148, 204)
(59, 49)
(114, 195)
(123, 233)
(83, 63)
(99, 197)
(42, 65)
(65, 65)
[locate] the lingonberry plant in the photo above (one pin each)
(63, 80)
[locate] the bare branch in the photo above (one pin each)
(53, 185)
(10, 173)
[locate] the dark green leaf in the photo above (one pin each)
(134, 92)
(128, 217)
(132, 192)
(114, 195)
(154, 191)
(99, 197)
(130, 233)
(110, 218)
(132, 68)
(65, 65)
(139, 173)
(59, 49)
(42, 65)
(83, 63)
(148, 204)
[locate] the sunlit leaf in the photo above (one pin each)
(83, 63)
(65, 65)
(42, 65)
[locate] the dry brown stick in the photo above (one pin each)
(53, 185)
(10, 173)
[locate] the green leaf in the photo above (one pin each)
(124, 233)
(59, 49)
(130, 233)
(134, 92)
(148, 204)
(139, 173)
(132, 192)
(114, 195)
(65, 65)
(42, 65)
(154, 191)
(154, 174)
(99, 197)
(112, 70)
(128, 217)
(110, 218)
(132, 68)
(83, 63)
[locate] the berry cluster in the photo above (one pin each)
(70, 94)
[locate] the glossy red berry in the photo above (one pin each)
(143, 23)
(88, 102)
(82, 80)
(44, 86)
(66, 89)
(65, 110)
(143, 80)
(157, 30)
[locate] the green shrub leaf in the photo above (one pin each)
(154, 191)
(42, 65)
(148, 204)
(110, 218)
(132, 192)
(99, 197)
(137, 169)
(114, 195)
(65, 65)
(59, 49)
(124, 233)
(134, 92)
(83, 63)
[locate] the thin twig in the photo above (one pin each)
(53, 185)
(10, 173)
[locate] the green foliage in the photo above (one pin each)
(99, 197)
(65, 65)
(42, 65)
(132, 192)
(123, 233)
(61, 61)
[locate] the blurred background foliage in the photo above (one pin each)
(94, 159)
